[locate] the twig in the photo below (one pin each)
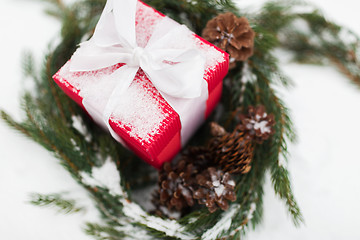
(52, 87)
(52, 146)
(13, 124)
(342, 68)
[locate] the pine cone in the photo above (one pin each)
(232, 151)
(216, 188)
(176, 185)
(257, 124)
(178, 182)
(232, 34)
(200, 156)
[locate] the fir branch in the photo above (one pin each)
(56, 201)
(281, 183)
(323, 42)
(265, 68)
(56, 8)
(12, 123)
(194, 13)
(104, 232)
(52, 88)
(343, 68)
(40, 136)
(28, 65)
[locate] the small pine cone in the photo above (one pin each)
(232, 34)
(216, 188)
(257, 124)
(176, 185)
(233, 152)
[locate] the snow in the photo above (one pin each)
(76, 147)
(216, 183)
(218, 187)
(145, 14)
(135, 100)
(106, 175)
(78, 124)
(247, 77)
(231, 183)
(169, 227)
(324, 163)
(223, 225)
(262, 126)
(251, 211)
(219, 190)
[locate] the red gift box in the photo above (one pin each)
(145, 121)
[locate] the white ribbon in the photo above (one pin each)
(176, 73)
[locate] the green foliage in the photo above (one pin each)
(194, 13)
(312, 38)
(104, 232)
(56, 201)
(58, 124)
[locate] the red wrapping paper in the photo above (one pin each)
(164, 142)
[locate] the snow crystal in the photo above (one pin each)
(219, 190)
(193, 2)
(78, 124)
(247, 77)
(262, 126)
(185, 192)
(146, 19)
(105, 176)
(169, 227)
(222, 225)
(218, 187)
(140, 112)
(76, 147)
(251, 211)
(249, 217)
(231, 182)
(216, 183)
(171, 214)
(133, 231)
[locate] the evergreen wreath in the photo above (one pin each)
(110, 173)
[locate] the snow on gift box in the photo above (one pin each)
(147, 79)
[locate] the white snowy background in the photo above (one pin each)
(324, 164)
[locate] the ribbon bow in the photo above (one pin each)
(175, 72)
